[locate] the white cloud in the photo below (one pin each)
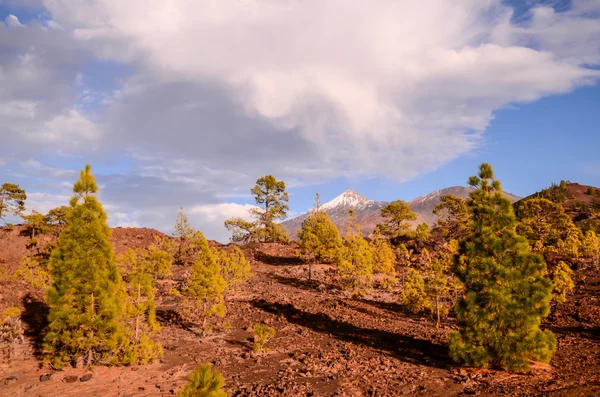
(210, 218)
(370, 86)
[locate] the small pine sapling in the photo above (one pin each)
(413, 295)
(355, 260)
(384, 261)
(262, 334)
(562, 282)
(204, 382)
(141, 307)
(206, 285)
(235, 268)
(183, 232)
(437, 287)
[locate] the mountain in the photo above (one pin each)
(368, 211)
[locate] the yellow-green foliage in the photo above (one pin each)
(562, 282)
(403, 254)
(384, 261)
(453, 216)
(547, 227)
(270, 194)
(422, 232)
(396, 216)
(11, 329)
(413, 294)
(262, 334)
(355, 260)
(319, 238)
(141, 306)
(204, 382)
(86, 299)
(235, 269)
(183, 232)
(506, 288)
(206, 285)
(591, 245)
(30, 271)
(437, 285)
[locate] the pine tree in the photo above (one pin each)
(355, 260)
(422, 232)
(204, 382)
(271, 194)
(545, 224)
(403, 255)
(437, 285)
(453, 216)
(12, 200)
(183, 232)
(206, 285)
(396, 215)
(241, 229)
(235, 269)
(141, 307)
(591, 246)
(562, 282)
(413, 294)
(86, 299)
(384, 261)
(507, 292)
(320, 239)
(57, 218)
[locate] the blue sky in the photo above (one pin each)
(178, 106)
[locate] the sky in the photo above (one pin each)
(185, 103)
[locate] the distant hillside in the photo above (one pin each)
(368, 211)
(581, 202)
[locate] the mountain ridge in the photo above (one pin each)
(368, 211)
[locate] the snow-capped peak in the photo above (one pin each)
(348, 199)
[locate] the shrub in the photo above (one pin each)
(413, 295)
(11, 329)
(262, 334)
(204, 382)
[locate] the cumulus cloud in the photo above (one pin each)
(222, 92)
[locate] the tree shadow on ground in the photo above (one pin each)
(304, 284)
(173, 317)
(35, 316)
(278, 260)
(405, 348)
(588, 333)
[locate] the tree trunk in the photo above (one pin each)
(437, 310)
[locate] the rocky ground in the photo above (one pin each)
(326, 343)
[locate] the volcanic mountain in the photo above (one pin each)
(368, 211)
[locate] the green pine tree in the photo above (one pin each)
(562, 282)
(272, 196)
(12, 200)
(413, 294)
(507, 291)
(384, 261)
(206, 285)
(183, 232)
(396, 216)
(355, 260)
(422, 232)
(204, 382)
(141, 307)
(235, 268)
(320, 239)
(437, 285)
(86, 299)
(591, 246)
(453, 216)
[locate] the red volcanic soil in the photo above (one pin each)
(326, 343)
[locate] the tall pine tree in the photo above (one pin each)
(507, 291)
(86, 299)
